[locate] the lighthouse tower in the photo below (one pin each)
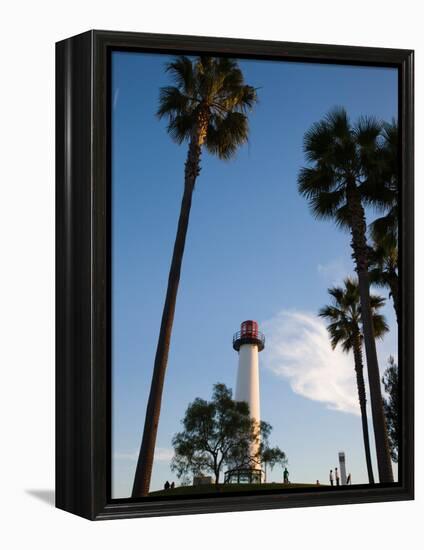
(248, 342)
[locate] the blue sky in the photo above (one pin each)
(253, 251)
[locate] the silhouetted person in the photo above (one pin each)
(348, 480)
(166, 486)
(331, 478)
(337, 476)
(172, 485)
(318, 483)
(286, 476)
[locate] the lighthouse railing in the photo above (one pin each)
(249, 334)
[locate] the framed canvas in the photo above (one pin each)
(234, 275)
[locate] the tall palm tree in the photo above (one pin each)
(385, 193)
(344, 316)
(383, 267)
(343, 170)
(207, 108)
(383, 258)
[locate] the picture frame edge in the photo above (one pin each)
(82, 391)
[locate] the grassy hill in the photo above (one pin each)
(229, 488)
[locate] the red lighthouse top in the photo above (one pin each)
(249, 334)
(249, 327)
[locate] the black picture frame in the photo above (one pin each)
(83, 390)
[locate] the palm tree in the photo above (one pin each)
(344, 315)
(386, 190)
(207, 107)
(383, 267)
(342, 174)
(383, 258)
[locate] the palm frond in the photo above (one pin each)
(313, 181)
(172, 102)
(380, 325)
(181, 70)
(367, 131)
(344, 315)
(386, 226)
(376, 301)
(225, 135)
(180, 127)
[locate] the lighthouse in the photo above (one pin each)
(248, 342)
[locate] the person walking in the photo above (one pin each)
(331, 478)
(172, 485)
(337, 476)
(166, 486)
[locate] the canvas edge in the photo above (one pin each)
(82, 258)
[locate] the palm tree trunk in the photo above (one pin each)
(394, 292)
(359, 369)
(359, 247)
(143, 471)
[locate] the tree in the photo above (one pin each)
(383, 258)
(391, 406)
(341, 176)
(344, 315)
(220, 433)
(271, 457)
(385, 193)
(207, 109)
(383, 267)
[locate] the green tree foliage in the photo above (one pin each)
(220, 433)
(391, 406)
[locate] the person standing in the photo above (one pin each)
(337, 476)
(166, 486)
(286, 476)
(331, 478)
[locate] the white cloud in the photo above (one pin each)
(161, 454)
(298, 350)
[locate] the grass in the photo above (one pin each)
(230, 487)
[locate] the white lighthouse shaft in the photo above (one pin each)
(247, 386)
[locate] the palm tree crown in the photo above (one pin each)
(211, 89)
(344, 315)
(341, 155)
